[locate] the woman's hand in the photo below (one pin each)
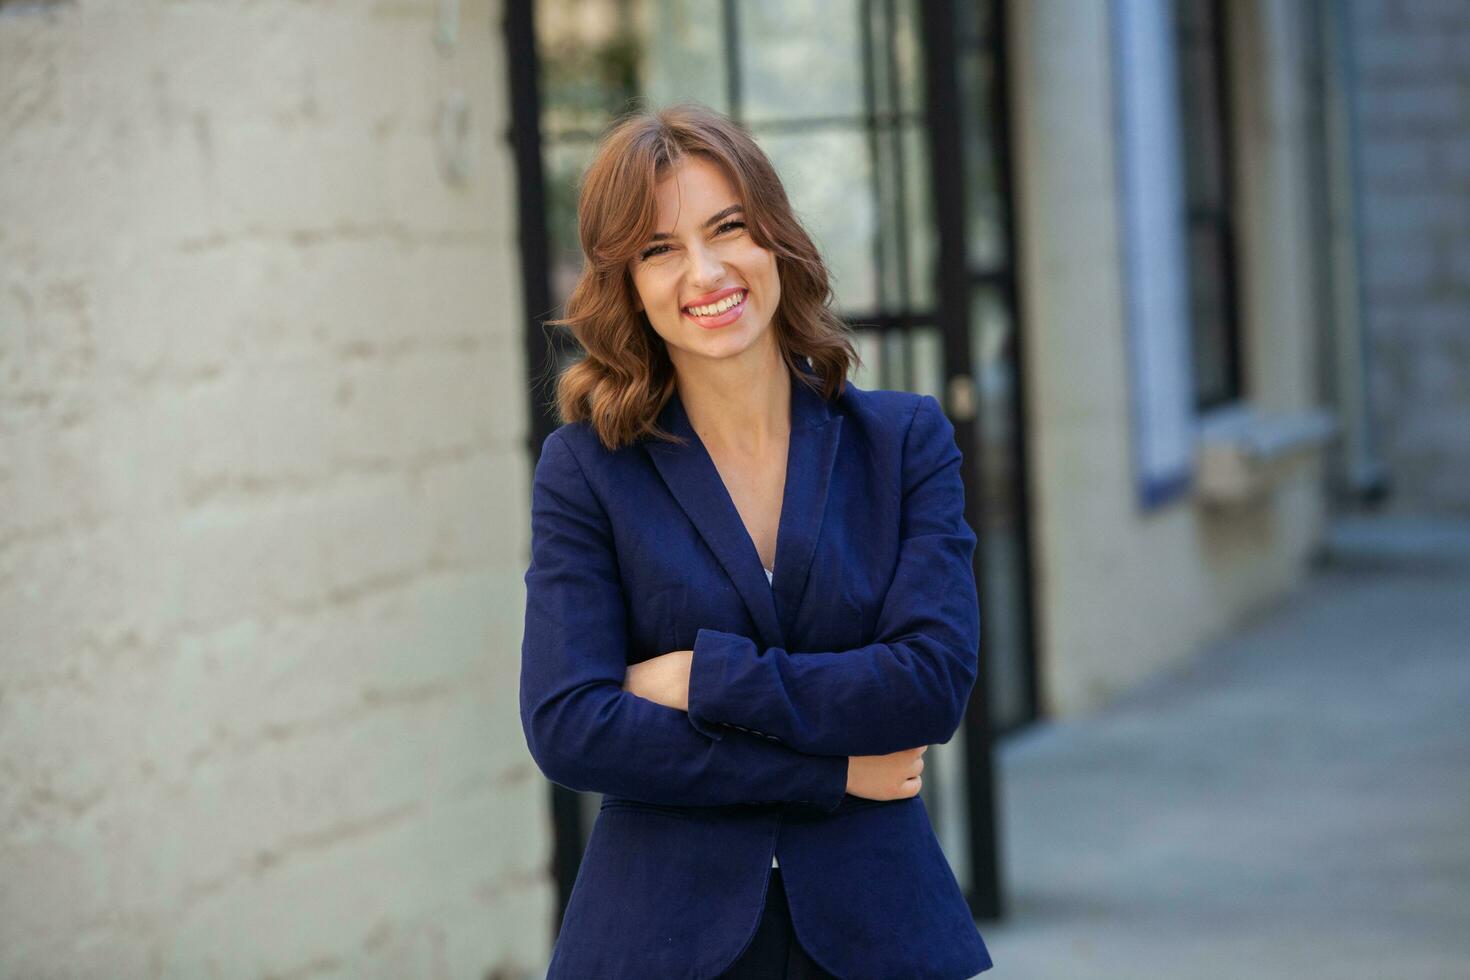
(894, 776)
(663, 679)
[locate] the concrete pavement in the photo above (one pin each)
(1295, 803)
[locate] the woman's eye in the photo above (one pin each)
(660, 249)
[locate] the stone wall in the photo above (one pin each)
(264, 484)
(1413, 108)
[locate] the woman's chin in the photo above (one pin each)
(719, 344)
(737, 339)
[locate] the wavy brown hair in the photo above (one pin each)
(626, 376)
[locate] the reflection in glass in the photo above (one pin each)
(1003, 650)
(926, 350)
(909, 359)
(589, 63)
(801, 59)
(943, 793)
(829, 179)
(895, 361)
(899, 144)
(983, 201)
(908, 57)
(923, 244)
(564, 164)
(1215, 336)
(892, 240)
(1200, 104)
(1211, 334)
(685, 50)
(869, 344)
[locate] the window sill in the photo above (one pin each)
(1242, 453)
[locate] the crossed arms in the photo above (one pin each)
(812, 709)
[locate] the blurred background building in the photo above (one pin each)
(1191, 278)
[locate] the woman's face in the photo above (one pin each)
(702, 256)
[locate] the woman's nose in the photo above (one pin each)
(705, 268)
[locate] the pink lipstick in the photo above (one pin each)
(724, 316)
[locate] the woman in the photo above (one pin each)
(750, 605)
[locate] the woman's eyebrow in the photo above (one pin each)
(708, 221)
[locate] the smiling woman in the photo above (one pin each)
(682, 209)
(707, 288)
(751, 602)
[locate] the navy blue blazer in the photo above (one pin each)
(866, 642)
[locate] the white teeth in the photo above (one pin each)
(720, 307)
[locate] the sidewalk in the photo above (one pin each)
(1294, 804)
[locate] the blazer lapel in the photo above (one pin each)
(809, 460)
(695, 483)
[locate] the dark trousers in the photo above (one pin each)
(774, 953)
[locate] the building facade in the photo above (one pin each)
(1187, 275)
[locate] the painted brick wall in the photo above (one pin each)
(1413, 106)
(264, 496)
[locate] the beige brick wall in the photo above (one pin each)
(1122, 592)
(264, 491)
(1413, 110)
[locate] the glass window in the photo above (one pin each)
(828, 176)
(987, 233)
(833, 92)
(784, 76)
(685, 54)
(1205, 126)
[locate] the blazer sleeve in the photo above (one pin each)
(910, 687)
(583, 730)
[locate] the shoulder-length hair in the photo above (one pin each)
(626, 377)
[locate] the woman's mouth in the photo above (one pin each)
(718, 314)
